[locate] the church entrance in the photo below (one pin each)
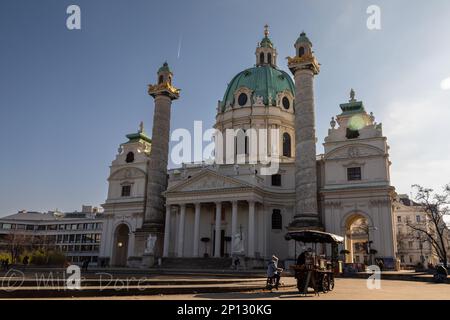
(357, 240)
(222, 243)
(121, 245)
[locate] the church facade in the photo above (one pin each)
(233, 207)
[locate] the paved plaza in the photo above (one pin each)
(346, 289)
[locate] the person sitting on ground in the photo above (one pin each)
(273, 271)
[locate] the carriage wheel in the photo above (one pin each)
(325, 285)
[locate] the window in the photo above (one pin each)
(402, 259)
(130, 157)
(410, 244)
(161, 79)
(242, 99)
(269, 58)
(286, 103)
(301, 51)
(20, 227)
(354, 174)
(399, 219)
(126, 191)
(352, 134)
(286, 145)
(418, 219)
(277, 220)
(6, 226)
(276, 180)
(52, 227)
(261, 58)
(30, 227)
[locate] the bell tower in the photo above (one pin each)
(305, 67)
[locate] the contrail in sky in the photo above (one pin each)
(179, 46)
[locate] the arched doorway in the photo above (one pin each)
(121, 245)
(357, 239)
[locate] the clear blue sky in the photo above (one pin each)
(68, 98)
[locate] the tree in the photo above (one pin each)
(436, 209)
(16, 244)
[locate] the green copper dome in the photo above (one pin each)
(264, 81)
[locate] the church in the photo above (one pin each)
(235, 207)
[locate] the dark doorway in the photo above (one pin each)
(222, 243)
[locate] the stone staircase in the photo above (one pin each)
(197, 263)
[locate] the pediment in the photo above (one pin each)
(208, 180)
(353, 152)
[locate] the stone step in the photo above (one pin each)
(197, 263)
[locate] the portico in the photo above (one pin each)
(217, 220)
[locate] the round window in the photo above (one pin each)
(286, 103)
(242, 100)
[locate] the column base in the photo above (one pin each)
(305, 222)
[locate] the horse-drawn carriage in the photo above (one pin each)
(313, 270)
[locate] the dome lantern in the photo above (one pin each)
(266, 54)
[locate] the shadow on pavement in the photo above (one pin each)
(291, 294)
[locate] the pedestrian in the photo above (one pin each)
(85, 264)
(273, 272)
(237, 262)
(25, 260)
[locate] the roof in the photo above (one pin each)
(266, 42)
(136, 137)
(303, 38)
(263, 80)
(164, 68)
(49, 216)
(313, 236)
(30, 216)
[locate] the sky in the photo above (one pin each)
(69, 97)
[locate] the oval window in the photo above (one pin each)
(286, 103)
(242, 100)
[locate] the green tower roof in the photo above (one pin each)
(303, 38)
(264, 81)
(164, 68)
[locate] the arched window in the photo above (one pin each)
(161, 79)
(130, 157)
(286, 145)
(241, 143)
(261, 58)
(301, 51)
(269, 58)
(277, 220)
